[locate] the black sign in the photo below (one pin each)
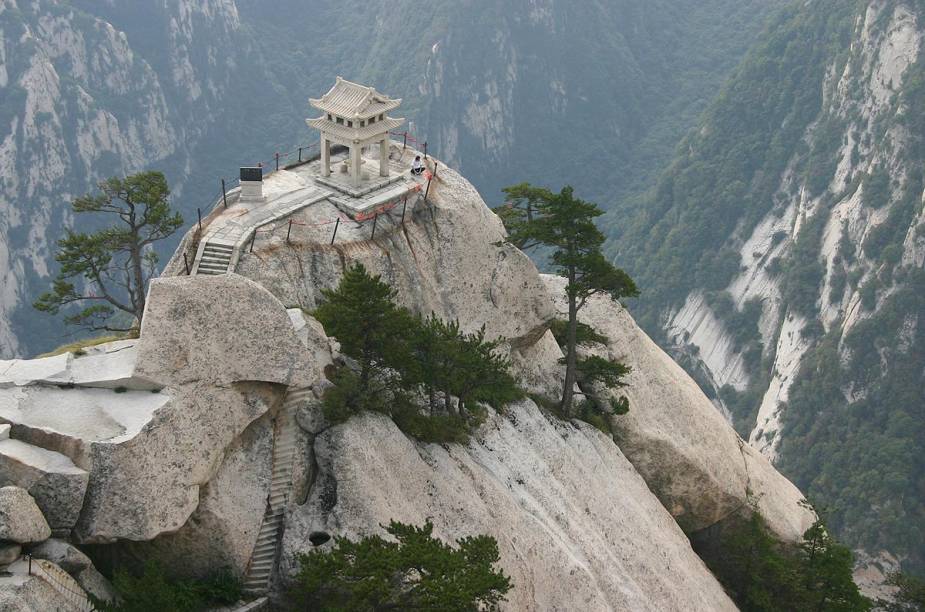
(252, 174)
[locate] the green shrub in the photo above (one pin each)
(154, 591)
(414, 572)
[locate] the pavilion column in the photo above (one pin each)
(384, 157)
(325, 156)
(356, 162)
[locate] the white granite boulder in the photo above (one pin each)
(21, 520)
(218, 330)
(57, 485)
(22, 592)
(693, 460)
(150, 483)
(576, 526)
(66, 556)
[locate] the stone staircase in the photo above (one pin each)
(62, 582)
(266, 549)
(214, 259)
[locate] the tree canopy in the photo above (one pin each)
(108, 270)
(416, 571)
(565, 224)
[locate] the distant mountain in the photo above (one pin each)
(593, 94)
(781, 257)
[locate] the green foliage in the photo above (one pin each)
(860, 454)
(537, 217)
(877, 188)
(763, 574)
(909, 597)
(154, 591)
(416, 571)
(584, 334)
(400, 358)
(116, 262)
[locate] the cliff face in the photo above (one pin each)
(82, 101)
(225, 379)
(803, 214)
(96, 88)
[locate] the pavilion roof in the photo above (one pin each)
(356, 132)
(354, 101)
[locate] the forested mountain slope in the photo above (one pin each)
(596, 94)
(782, 255)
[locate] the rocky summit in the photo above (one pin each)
(202, 444)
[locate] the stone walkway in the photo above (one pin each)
(290, 190)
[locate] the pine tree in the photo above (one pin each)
(414, 572)
(115, 263)
(362, 315)
(538, 217)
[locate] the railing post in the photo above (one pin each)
(404, 205)
(427, 189)
(199, 214)
(289, 231)
(253, 240)
(277, 162)
(224, 194)
(336, 225)
(30, 564)
(186, 264)
(375, 220)
(436, 165)
(300, 154)
(404, 142)
(425, 149)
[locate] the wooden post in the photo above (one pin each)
(186, 264)
(375, 220)
(289, 231)
(224, 194)
(336, 225)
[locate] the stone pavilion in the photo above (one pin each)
(355, 116)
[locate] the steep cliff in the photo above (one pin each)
(82, 101)
(785, 250)
(92, 89)
(185, 437)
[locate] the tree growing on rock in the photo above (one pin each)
(414, 572)
(398, 358)
(114, 264)
(538, 217)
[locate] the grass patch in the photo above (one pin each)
(78, 347)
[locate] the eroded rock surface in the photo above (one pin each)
(21, 521)
(218, 329)
(689, 455)
(576, 525)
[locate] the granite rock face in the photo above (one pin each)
(527, 480)
(21, 521)
(62, 554)
(57, 485)
(688, 453)
(150, 484)
(450, 259)
(219, 330)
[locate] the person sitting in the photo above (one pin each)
(417, 166)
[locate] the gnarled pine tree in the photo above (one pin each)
(114, 264)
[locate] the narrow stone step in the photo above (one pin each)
(215, 246)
